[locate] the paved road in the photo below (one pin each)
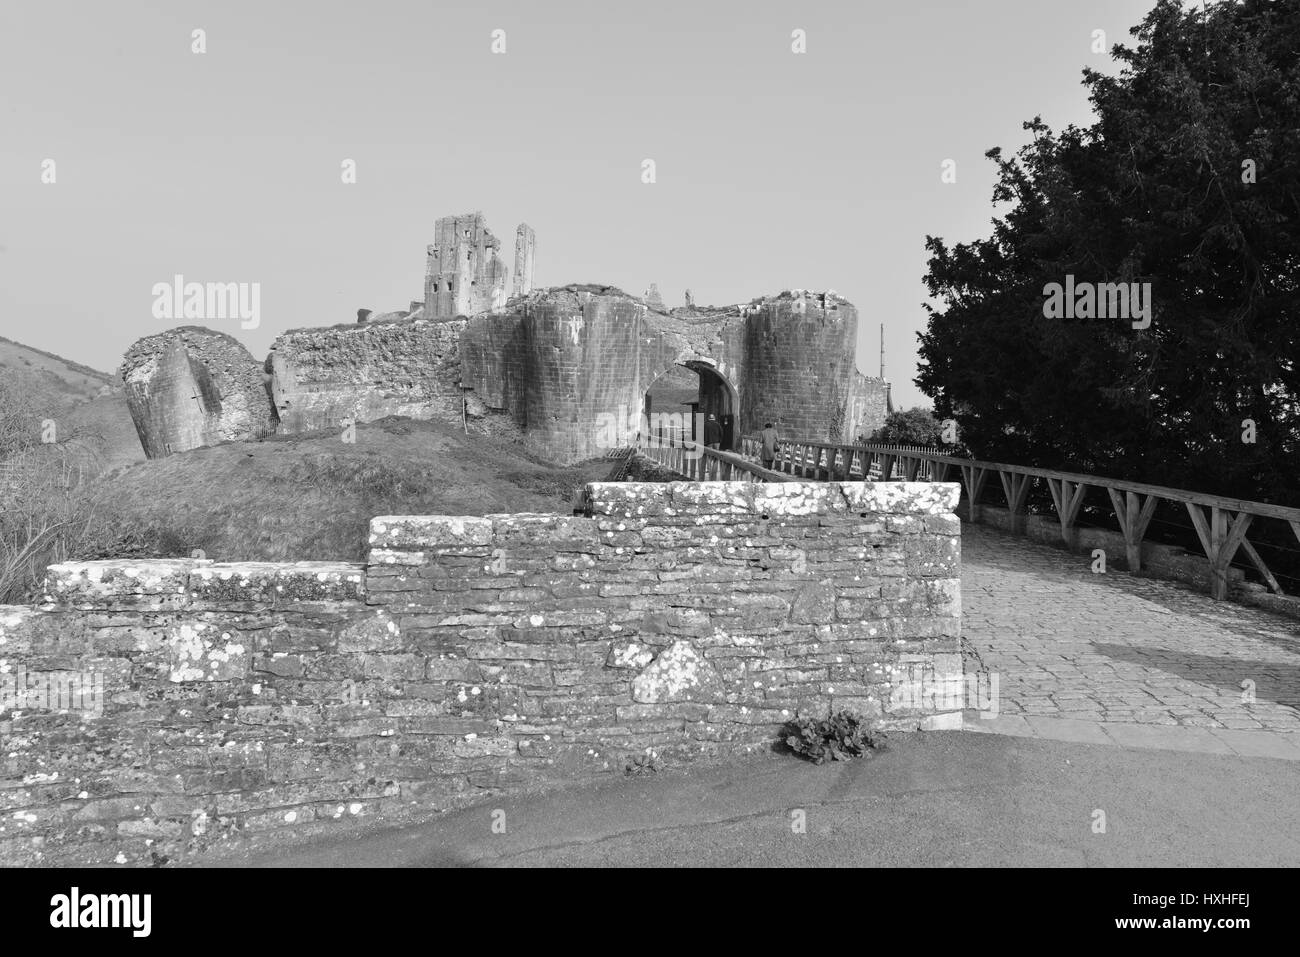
(943, 798)
(1112, 648)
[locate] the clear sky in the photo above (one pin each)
(775, 170)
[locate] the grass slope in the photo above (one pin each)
(311, 497)
(81, 401)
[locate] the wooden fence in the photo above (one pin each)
(693, 461)
(1221, 523)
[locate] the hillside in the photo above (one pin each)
(311, 497)
(81, 401)
(49, 379)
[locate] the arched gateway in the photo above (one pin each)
(681, 399)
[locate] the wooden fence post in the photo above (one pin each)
(1016, 489)
(974, 478)
(1134, 515)
(1219, 541)
(1067, 496)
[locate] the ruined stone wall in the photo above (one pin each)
(800, 351)
(494, 356)
(190, 387)
(572, 365)
(321, 377)
(256, 703)
(868, 405)
(565, 361)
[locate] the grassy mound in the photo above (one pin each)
(311, 497)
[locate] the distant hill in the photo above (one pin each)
(82, 402)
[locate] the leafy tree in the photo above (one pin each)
(1190, 180)
(911, 427)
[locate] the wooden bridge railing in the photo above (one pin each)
(824, 460)
(694, 461)
(1222, 532)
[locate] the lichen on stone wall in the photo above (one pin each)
(470, 655)
(679, 674)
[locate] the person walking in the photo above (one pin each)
(712, 432)
(767, 454)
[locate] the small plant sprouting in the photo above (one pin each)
(641, 763)
(841, 736)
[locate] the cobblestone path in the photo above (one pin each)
(1111, 648)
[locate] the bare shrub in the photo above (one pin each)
(48, 507)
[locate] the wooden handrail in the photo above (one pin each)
(1134, 502)
(1264, 509)
(695, 461)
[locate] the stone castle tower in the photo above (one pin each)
(525, 253)
(465, 274)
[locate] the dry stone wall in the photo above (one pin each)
(250, 704)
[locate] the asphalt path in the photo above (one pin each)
(933, 800)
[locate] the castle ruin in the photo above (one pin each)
(465, 274)
(566, 370)
(191, 387)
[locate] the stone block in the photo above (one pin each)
(680, 673)
(409, 532)
(376, 632)
(901, 498)
(120, 583)
(814, 603)
(200, 651)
